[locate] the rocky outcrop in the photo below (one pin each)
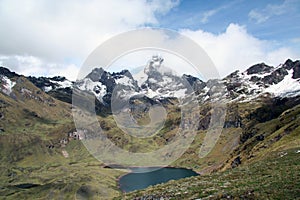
(259, 69)
(275, 77)
(296, 73)
(234, 123)
(6, 72)
(236, 162)
(62, 94)
(196, 83)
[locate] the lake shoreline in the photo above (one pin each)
(158, 168)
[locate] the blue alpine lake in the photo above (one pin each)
(151, 176)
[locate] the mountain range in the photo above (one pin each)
(41, 158)
(157, 81)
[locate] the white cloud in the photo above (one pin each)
(258, 16)
(262, 15)
(237, 49)
(207, 15)
(56, 31)
(231, 50)
(30, 65)
(45, 37)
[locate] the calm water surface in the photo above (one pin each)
(137, 181)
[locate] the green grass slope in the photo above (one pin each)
(33, 162)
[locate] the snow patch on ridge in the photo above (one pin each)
(124, 81)
(7, 85)
(63, 84)
(97, 88)
(288, 87)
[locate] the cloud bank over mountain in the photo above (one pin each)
(51, 37)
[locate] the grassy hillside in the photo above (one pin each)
(34, 164)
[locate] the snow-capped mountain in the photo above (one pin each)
(261, 79)
(103, 83)
(48, 84)
(156, 81)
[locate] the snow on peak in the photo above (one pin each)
(261, 79)
(288, 87)
(7, 85)
(63, 84)
(97, 88)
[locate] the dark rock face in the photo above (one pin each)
(42, 82)
(255, 79)
(96, 74)
(296, 73)
(233, 119)
(233, 86)
(6, 72)
(236, 162)
(259, 69)
(247, 134)
(63, 94)
(275, 77)
(233, 75)
(194, 82)
(235, 123)
(289, 64)
(58, 78)
(268, 111)
(260, 138)
(204, 122)
(107, 80)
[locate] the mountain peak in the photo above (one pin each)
(154, 64)
(96, 74)
(156, 61)
(260, 68)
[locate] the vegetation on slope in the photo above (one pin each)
(255, 139)
(275, 177)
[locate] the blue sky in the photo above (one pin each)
(279, 19)
(51, 37)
